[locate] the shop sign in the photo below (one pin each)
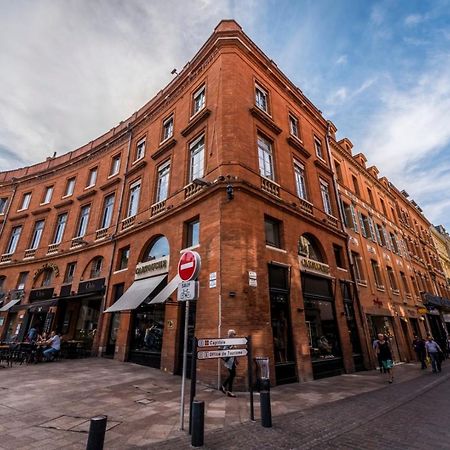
(41, 294)
(46, 266)
(91, 285)
(310, 265)
(151, 268)
(65, 290)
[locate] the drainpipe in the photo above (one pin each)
(347, 247)
(113, 236)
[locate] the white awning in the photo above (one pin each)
(167, 291)
(9, 305)
(136, 294)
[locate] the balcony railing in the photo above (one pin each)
(158, 208)
(332, 220)
(396, 291)
(191, 189)
(270, 186)
(77, 242)
(128, 222)
(102, 233)
(6, 257)
(52, 248)
(306, 206)
(29, 253)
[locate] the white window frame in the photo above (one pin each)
(92, 179)
(197, 158)
(14, 239)
(83, 221)
(200, 94)
(140, 149)
(133, 199)
(162, 188)
(3, 205)
(37, 234)
(26, 199)
(318, 147)
(60, 228)
(22, 280)
(326, 199)
(294, 128)
(265, 158)
(70, 187)
(115, 165)
(167, 128)
(261, 98)
(48, 195)
(107, 211)
(300, 180)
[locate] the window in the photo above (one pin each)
(92, 177)
(318, 147)
(37, 234)
(25, 201)
(350, 216)
(115, 165)
(355, 186)
(167, 131)
(261, 99)
(394, 219)
(309, 246)
(157, 249)
(22, 280)
(405, 283)
(338, 169)
(339, 255)
(199, 100)
(293, 126)
(47, 277)
(60, 226)
(358, 266)
(47, 195)
(415, 285)
(300, 182)
(96, 267)
(70, 186)
(108, 207)
(2, 283)
(193, 233)
(3, 204)
(326, 197)
(162, 188)
(124, 256)
(377, 274)
(372, 201)
(394, 244)
(380, 235)
(70, 272)
(392, 280)
(14, 239)
(272, 230)
(83, 220)
(197, 158)
(133, 201)
(383, 207)
(265, 158)
(140, 150)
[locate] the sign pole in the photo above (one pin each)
(250, 376)
(193, 380)
(183, 377)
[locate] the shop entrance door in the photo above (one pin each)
(407, 338)
(285, 364)
(114, 323)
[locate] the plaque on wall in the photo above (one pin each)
(41, 294)
(91, 286)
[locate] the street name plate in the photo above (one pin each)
(214, 354)
(219, 342)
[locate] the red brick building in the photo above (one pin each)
(230, 159)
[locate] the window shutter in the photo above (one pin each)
(372, 229)
(354, 219)
(361, 220)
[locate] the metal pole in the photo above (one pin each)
(183, 377)
(250, 376)
(193, 380)
(97, 431)
(198, 423)
(266, 411)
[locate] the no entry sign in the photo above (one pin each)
(189, 265)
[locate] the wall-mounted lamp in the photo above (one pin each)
(230, 192)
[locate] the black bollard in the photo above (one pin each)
(198, 423)
(264, 399)
(97, 431)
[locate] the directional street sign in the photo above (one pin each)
(220, 342)
(187, 290)
(214, 354)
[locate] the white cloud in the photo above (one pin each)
(341, 60)
(72, 70)
(414, 19)
(343, 94)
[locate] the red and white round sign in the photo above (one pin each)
(189, 265)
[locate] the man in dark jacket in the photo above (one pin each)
(419, 348)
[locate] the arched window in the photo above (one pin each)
(309, 247)
(47, 277)
(157, 249)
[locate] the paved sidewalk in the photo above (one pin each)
(49, 405)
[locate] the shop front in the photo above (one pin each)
(436, 308)
(384, 324)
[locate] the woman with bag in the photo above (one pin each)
(384, 354)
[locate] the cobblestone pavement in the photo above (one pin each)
(410, 415)
(48, 406)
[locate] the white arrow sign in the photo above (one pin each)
(220, 342)
(222, 353)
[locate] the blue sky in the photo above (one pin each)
(380, 70)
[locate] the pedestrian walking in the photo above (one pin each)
(384, 354)
(375, 346)
(421, 353)
(434, 352)
(230, 363)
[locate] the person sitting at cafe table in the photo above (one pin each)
(55, 346)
